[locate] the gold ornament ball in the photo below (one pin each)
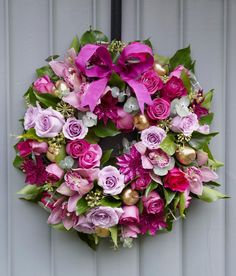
(102, 232)
(130, 197)
(185, 155)
(161, 71)
(141, 121)
(52, 154)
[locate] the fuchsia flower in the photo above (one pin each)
(186, 124)
(151, 223)
(27, 147)
(47, 200)
(152, 137)
(44, 85)
(174, 88)
(91, 158)
(110, 179)
(141, 182)
(74, 129)
(55, 173)
(124, 120)
(153, 203)
(176, 180)
(197, 107)
(152, 81)
(76, 148)
(159, 110)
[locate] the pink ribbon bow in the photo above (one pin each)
(95, 62)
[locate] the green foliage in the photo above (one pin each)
(75, 44)
(169, 196)
(46, 70)
(148, 42)
(18, 162)
(91, 137)
(47, 99)
(199, 140)
(91, 240)
(115, 80)
(50, 58)
(59, 227)
(186, 81)
(31, 134)
(182, 57)
(103, 131)
(30, 192)
(168, 145)
(207, 119)
(106, 156)
(114, 234)
(182, 205)
(110, 201)
(152, 186)
(208, 99)
(211, 195)
(93, 36)
(61, 155)
(81, 206)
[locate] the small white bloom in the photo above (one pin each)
(90, 119)
(131, 105)
(180, 106)
(115, 91)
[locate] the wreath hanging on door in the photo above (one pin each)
(115, 140)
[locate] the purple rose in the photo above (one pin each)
(77, 148)
(174, 88)
(84, 225)
(153, 203)
(91, 157)
(152, 137)
(159, 110)
(186, 124)
(152, 81)
(44, 85)
(110, 179)
(30, 117)
(48, 123)
(104, 216)
(74, 129)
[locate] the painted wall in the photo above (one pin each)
(30, 30)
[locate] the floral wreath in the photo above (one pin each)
(143, 178)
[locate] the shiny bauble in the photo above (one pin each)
(52, 153)
(129, 196)
(102, 232)
(185, 155)
(141, 121)
(159, 69)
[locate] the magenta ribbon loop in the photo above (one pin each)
(95, 61)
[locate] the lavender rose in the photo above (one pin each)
(104, 216)
(153, 203)
(30, 117)
(74, 129)
(152, 81)
(84, 225)
(44, 85)
(152, 137)
(110, 179)
(186, 124)
(48, 122)
(159, 110)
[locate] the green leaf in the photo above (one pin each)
(59, 227)
(31, 134)
(210, 195)
(208, 99)
(169, 196)
(168, 145)
(61, 154)
(186, 81)
(18, 162)
(89, 239)
(207, 119)
(182, 57)
(106, 156)
(45, 70)
(148, 42)
(110, 201)
(114, 234)
(215, 164)
(91, 137)
(30, 192)
(106, 131)
(47, 99)
(199, 140)
(213, 183)
(50, 58)
(75, 44)
(115, 80)
(93, 36)
(140, 206)
(30, 97)
(182, 205)
(152, 186)
(81, 206)
(163, 60)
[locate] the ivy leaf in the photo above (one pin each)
(115, 80)
(89, 239)
(207, 99)
(168, 145)
(207, 119)
(93, 36)
(59, 227)
(114, 234)
(211, 195)
(50, 58)
(199, 140)
(75, 44)
(18, 162)
(186, 81)
(31, 134)
(106, 156)
(182, 57)
(106, 131)
(110, 201)
(47, 100)
(81, 206)
(30, 192)
(148, 42)
(169, 196)
(182, 205)
(152, 186)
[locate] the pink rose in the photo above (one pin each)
(110, 179)
(124, 120)
(176, 180)
(153, 203)
(159, 110)
(141, 182)
(202, 157)
(152, 81)
(76, 148)
(55, 173)
(48, 123)
(152, 137)
(91, 158)
(74, 129)
(174, 88)
(186, 124)
(130, 231)
(44, 85)
(130, 215)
